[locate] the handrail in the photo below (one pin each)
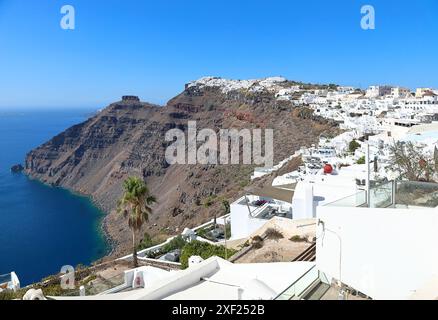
(296, 281)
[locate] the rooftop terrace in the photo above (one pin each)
(394, 194)
(265, 208)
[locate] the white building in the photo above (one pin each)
(400, 92)
(386, 251)
(249, 213)
(345, 90)
(214, 279)
(378, 91)
(419, 93)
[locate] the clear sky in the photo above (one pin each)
(152, 48)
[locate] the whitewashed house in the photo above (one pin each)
(384, 248)
(251, 212)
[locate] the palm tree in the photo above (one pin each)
(226, 208)
(135, 205)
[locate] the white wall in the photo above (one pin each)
(303, 206)
(384, 253)
(242, 225)
(150, 275)
(319, 190)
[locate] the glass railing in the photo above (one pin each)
(393, 194)
(382, 195)
(355, 200)
(299, 287)
(417, 194)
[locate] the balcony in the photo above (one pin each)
(265, 208)
(415, 194)
(393, 194)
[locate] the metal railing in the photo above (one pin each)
(382, 195)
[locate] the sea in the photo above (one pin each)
(42, 228)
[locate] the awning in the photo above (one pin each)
(283, 193)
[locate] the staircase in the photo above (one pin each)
(317, 292)
(307, 255)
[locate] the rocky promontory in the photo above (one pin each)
(17, 168)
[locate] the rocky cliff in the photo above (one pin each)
(127, 138)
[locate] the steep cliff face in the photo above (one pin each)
(128, 138)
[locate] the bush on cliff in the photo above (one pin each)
(353, 146)
(204, 250)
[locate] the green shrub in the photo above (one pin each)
(203, 232)
(257, 242)
(274, 234)
(7, 295)
(147, 242)
(154, 254)
(243, 183)
(361, 160)
(88, 280)
(54, 290)
(209, 201)
(228, 230)
(298, 238)
(204, 250)
(176, 243)
(353, 146)
(244, 245)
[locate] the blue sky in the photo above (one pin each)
(152, 48)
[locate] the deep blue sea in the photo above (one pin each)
(42, 228)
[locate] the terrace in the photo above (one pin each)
(315, 285)
(364, 240)
(265, 208)
(251, 212)
(393, 194)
